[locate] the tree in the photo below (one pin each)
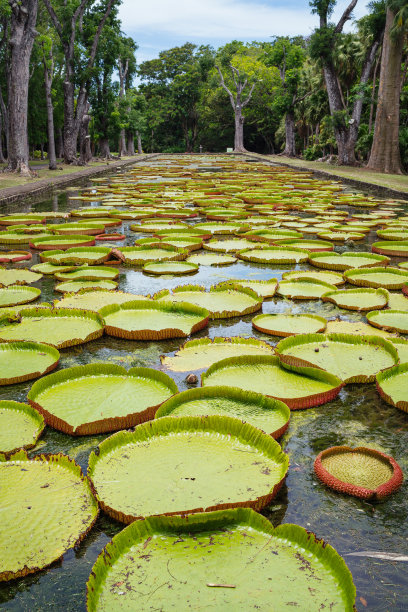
(126, 70)
(68, 23)
(288, 57)
(48, 63)
(385, 152)
(22, 35)
(323, 48)
(237, 102)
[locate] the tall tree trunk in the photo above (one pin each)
(48, 73)
(22, 35)
(131, 144)
(104, 150)
(4, 112)
(123, 70)
(139, 142)
(85, 154)
(290, 149)
(373, 90)
(70, 127)
(385, 152)
(2, 158)
(60, 144)
(239, 131)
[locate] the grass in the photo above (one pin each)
(392, 181)
(14, 180)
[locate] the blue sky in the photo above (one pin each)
(161, 24)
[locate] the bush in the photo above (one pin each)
(313, 152)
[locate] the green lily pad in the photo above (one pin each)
(14, 256)
(219, 228)
(49, 268)
(313, 246)
(95, 300)
(270, 415)
(149, 320)
(87, 228)
(200, 354)
(397, 301)
(61, 242)
(274, 255)
(358, 299)
(20, 361)
(58, 327)
(392, 386)
(20, 427)
(138, 256)
(333, 278)
(17, 294)
(351, 358)
(75, 286)
(393, 248)
(78, 256)
(264, 288)
(304, 288)
(213, 550)
(341, 236)
(221, 301)
(229, 246)
(402, 348)
(272, 235)
(99, 397)
(17, 277)
(191, 244)
(288, 324)
(211, 259)
(390, 320)
(393, 234)
(171, 267)
(305, 388)
(389, 278)
(346, 261)
(358, 328)
(88, 273)
(11, 237)
(51, 497)
(19, 219)
(201, 455)
(403, 265)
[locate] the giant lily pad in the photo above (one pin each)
(264, 288)
(392, 386)
(58, 327)
(75, 286)
(304, 288)
(393, 248)
(346, 261)
(270, 415)
(140, 255)
(229, 246)
(213, 550)
(95, 300)
(305, 388)
(200, 354)
(149, 320)
(17, 294)
(402, 348)
(274, 255)
(308, 245)
(87, 228)
(220, 228)
(20, 361)
(362, 472)
(14, 256)
(170, 267)
(390, 278)
(211, 259)
(288, 324)
(100, 397)
(333, 278)
(78, 256)
(201, 455)
(88, 273)
(358, 299)
(339, 326)
(17, 277)
(52, 499)
(353, 359)
(221, 301)
(397, 301)
(49, 243)
(49, 268)
(390, 320)
(20, 427)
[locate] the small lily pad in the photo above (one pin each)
(170, 267)
(288, 324)
(20, 427)
(389, 278)
(390, 320)
(304, 288)
(358, 299)
(17, 294)
(392, 385)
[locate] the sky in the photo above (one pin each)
(161, 24)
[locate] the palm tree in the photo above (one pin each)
(385, 152)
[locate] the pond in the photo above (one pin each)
(357, 417)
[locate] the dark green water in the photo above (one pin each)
(357, 417)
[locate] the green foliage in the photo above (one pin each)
(322, 43)
(313, 152)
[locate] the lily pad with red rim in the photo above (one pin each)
(362, 472)
(304, 288)
(333, 278)
(388, 278)
(394, 248)
(14, 256)
(305, 388)
(202, 456)
(347, 261)
(358, 299)
(78, 256)
(390, 320)
(289, 324)
(18, 294)
(98, 397)
(392, 385)
(21, 361)
(50, 243)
